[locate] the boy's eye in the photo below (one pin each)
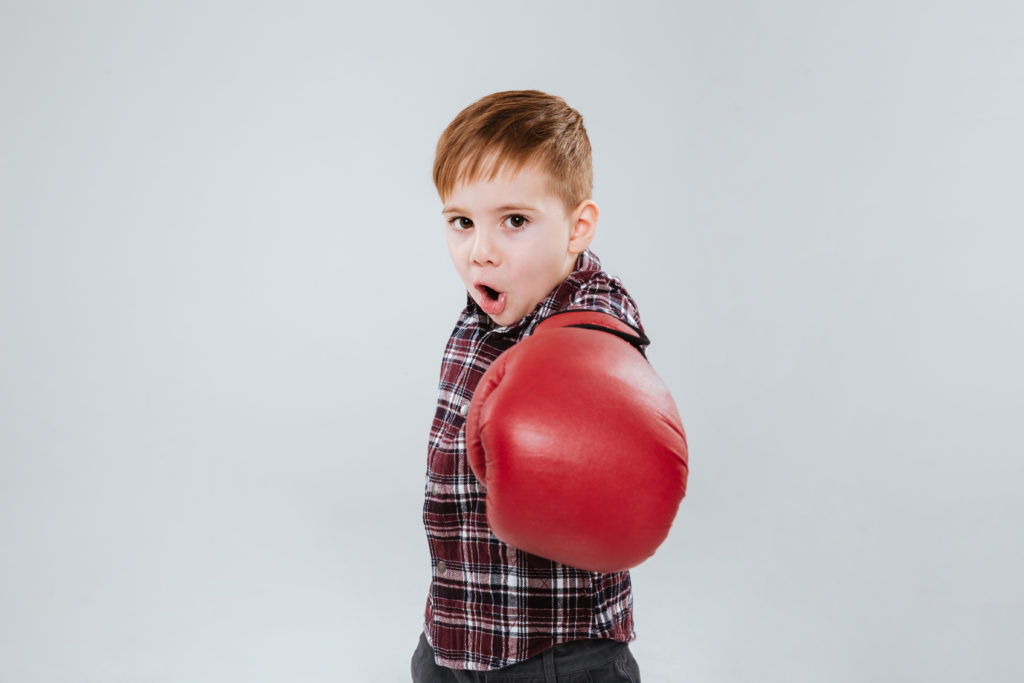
(515, 221)
(461, 223)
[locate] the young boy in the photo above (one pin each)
(514, 172)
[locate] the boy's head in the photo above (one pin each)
(508, 130)
(514, 173)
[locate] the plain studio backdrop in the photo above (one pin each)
(224, 293)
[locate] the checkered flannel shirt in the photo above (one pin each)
(492, 605)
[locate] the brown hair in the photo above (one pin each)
(512, 129)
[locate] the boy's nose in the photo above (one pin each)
(484, 249)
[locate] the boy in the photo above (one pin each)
(514, 173)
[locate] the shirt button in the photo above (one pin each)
(464, 410)
(441, 567)
(435, 489)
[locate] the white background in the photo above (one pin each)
(224, 293)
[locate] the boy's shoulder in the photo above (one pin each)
(593, 288)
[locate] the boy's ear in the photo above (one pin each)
(584, 225)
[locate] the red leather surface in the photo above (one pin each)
(579, 445)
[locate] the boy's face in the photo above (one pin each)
(512, 241)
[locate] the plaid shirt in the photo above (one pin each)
(492, 605)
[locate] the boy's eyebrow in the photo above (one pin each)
(506, 207)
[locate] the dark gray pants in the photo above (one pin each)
(583, 661)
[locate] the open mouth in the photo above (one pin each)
(491, 300)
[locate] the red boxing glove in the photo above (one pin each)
(579, 445)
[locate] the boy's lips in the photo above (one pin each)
(491, 300)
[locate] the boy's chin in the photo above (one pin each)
(505, 318)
